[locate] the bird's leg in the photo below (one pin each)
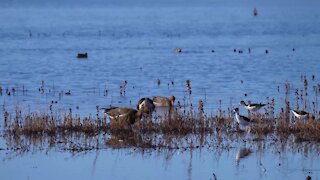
(249, 114)
(248, 129)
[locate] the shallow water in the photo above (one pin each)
(150, 164)
(136, 43)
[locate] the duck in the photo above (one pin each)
(178, 50)
(82, 55)
(252, 107)
(163, 101)
(146, 104)
(126, 114)
(255, 12)
(300, 114)
(68, 93)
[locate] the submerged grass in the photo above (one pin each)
(181, 128)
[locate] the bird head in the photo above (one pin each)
(243, 103)
(236, 110)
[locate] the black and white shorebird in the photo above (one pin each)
(124, 114)
(163, 101)
(242, 120)
(146, 104)
(300, 114)
(252, 106)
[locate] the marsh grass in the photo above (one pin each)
(181, 128)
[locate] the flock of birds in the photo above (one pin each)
(144, 106)
(147, 106)
(246, 122)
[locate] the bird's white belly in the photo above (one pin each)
(251, 108)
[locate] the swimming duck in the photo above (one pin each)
(82, 55)
(178, 50)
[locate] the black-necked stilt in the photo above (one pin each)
(252, 107)
(146, 104)
(300, 114)
(163, 101)
(242, 120)
(82, 55)
(125, 114)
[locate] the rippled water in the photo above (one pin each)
(136, 43)
(243, 161)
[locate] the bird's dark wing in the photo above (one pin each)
(245, 118)
(301, 112)
(258, 105)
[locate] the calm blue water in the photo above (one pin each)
(131, 41)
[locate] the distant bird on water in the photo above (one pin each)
(178, 50)
(68, 93)
(163, 101)
(252, 107)
(82, 55)
(255, 12)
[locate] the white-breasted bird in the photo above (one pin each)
(146, 104)
(300, 114)
(252, 106)
(242, 120)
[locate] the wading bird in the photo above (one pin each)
(242, 120)
(252, 107)
(300, 114)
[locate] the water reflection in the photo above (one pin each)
(242, 153)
